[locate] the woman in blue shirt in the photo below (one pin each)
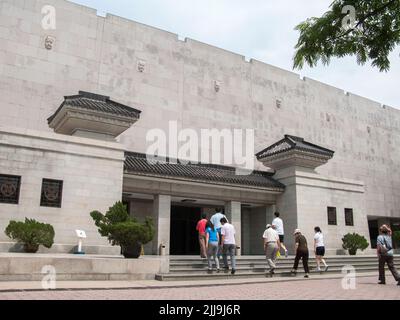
(212, 239)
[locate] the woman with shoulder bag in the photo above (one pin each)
(384, 249)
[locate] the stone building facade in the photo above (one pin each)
(198, 86)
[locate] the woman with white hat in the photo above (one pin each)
(301, 250)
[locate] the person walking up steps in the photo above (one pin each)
(385, 254)
(201, 228)
(216, 221)
(212, 244)
(271, 247)
(301, 250)
(319, 249)
(229, 244)
(278, 223)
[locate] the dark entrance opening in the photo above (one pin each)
(373, 232)
(183, 235)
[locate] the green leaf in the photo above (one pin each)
(31, 233)
(375, 35)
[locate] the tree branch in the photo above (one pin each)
(362, 19)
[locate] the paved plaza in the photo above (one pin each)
(298, 289)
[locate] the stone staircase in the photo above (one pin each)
(193, 268)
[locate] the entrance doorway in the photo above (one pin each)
(373, 232)
(183, 236)
(375, 222)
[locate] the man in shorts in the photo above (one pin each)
(278, 225)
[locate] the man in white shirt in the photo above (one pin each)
(216, 221)
(271, 246)
(229, 244)
(278, 224)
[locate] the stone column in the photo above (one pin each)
(162, 222)
(270, 210)
(234, 214)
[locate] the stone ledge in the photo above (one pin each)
(12, 247)
(319, 181)
(61, 138)
(28, 267)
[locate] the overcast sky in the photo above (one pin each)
(259, 29)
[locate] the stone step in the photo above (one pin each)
(258, 257)
(203, 264)
(258, 260)
(193, 268)
(264, 266)
(283, 261)
(246, 274)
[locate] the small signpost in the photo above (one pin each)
(81, 235)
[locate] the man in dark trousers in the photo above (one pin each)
(301, 250)
(385, 254)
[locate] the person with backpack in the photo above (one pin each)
(212, 244)
(384, 249)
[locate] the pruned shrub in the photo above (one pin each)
(353, 241)
(31, 234)
(123, 230)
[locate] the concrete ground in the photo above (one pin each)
(318, 287)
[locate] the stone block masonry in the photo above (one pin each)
(101, 54)
(176, 82)
(91, 172)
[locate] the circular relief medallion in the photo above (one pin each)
(8, 189)
(51, 193)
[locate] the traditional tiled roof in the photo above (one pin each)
(293, 143)
(137, 163)
(98, 103)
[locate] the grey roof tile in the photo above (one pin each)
(137, 163)
(293, 143)
(96, 102)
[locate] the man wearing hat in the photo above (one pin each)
(301, 250)
(271, 246)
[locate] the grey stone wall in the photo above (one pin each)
(99, 54)
(140, 209)
(91, 172)
(258, 221)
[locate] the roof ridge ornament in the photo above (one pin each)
(94, 96)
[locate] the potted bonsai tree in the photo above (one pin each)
(123, 230)
(31, 234)
(353, 241)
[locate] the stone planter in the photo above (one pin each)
(132, 251)
(31, 248)
(352, 252)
